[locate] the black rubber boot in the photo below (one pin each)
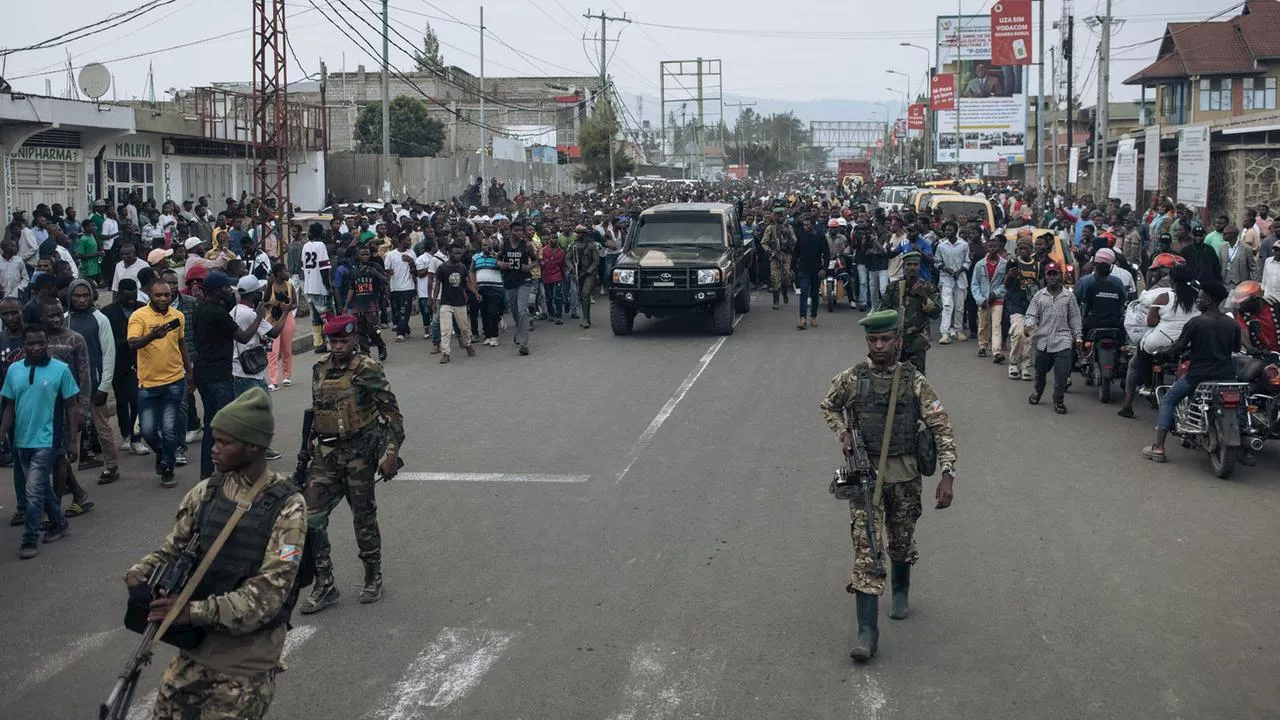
(323, 593)
(901, 584)
(372, 590)
(775, 300)
(868, 627)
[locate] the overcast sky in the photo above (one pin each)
(795, 50)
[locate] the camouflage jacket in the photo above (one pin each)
(778, 238)
(844, 389)
(240, 639)
(583, 258)
(372, 387)
(918, 312)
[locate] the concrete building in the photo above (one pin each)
(72, 152)
(534, 110)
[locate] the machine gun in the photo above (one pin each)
(166, 580)
(857, 481)
(304, 453)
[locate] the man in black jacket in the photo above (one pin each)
(808, 266)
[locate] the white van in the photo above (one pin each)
(894, 196)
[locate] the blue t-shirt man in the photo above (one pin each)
(39, 394)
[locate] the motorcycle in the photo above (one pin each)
(1209, 420)
(1262, 373)
(1105, 359)
(837, 277)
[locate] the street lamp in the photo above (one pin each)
(928, 88)
(905, 107)
(902, 149)
(884, 150)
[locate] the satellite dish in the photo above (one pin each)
(95, 80)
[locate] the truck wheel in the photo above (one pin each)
(742, 301)
(621, 318)
(722, 318)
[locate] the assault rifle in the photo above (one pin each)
(166, 580)
(859, 482)
(304, 453)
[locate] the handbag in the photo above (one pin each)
(253, 360)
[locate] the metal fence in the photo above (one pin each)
(356, 177)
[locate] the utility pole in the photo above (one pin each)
(484, 150)
(386, 111)
(737, 128)
(1053, 115)
(1068, 51)
(1040, 110)
(956, 91)
(604, 19)
(1102, 114)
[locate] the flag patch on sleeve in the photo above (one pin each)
(290, 553)
(937, 406)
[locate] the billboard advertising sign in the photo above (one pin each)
(989, 117)
(942, 91)
(1011, 32)
(915, 116)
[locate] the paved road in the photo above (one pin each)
(645, 534)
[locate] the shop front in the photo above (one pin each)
(129, 170)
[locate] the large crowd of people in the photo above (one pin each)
(150, 306)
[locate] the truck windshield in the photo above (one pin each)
(680, 230)
(962, 209)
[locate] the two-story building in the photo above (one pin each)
(1222, 74)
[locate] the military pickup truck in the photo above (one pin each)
(683, 258)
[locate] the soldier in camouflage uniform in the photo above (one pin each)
(243, 609)
(922, 306)
(357, 421)
(778, 242)
(583, 259)
(861, 395)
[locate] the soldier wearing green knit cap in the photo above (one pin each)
(244, 601)
(860, 398)
(778, 243)
(920, 304)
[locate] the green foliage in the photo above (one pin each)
(414, 133)
(595, 134)
(429, 58)
(775, 143)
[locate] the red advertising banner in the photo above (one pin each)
(942, 91)
(915, 116)
(1011, 32)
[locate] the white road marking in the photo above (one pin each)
(491, 477)
(669, 407)
(55, 663)
(444, 672)
(296, 638)
(869, 700)
(665, 684)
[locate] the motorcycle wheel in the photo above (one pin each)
(1104, 385)
(831, 300)
(1222, 457)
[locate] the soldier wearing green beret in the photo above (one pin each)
(778, 243)
(859, 398)
(919, 302)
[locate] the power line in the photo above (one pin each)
(1237, 6)
(91, 29)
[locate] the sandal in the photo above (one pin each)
(1151, 453)
(79, 508)
(1034, 399)
(109, 476)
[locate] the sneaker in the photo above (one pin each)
(999, 359)
(19, 518)
(853, 305)
(559, 321)
(435, 349)
(444, 359)
(399, 338)
(524, 349)
(167, 480)
(273, 454)
(962, 336)
(982, 352)
(382, 353)
(494, 342)
(140, 448)
(126, 446)
(426, 334)
(1013, 372)
(109, 476)
(944, 340)
(26, 552)
(271, 387)
(194, 436)
(286, 383)
(53, 536)
(180, 459)
(1151, 453)
(1028, 375)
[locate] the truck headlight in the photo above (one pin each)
(624, 277)
(708, 277)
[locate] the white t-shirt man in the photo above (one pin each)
(429, 263)
(110, 229)
(246, 317)
(401, 270)
(127, 271)
(315, 263)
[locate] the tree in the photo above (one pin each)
(595, 135)
(414, 133)
(429, 58)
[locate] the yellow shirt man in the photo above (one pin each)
(163, 360)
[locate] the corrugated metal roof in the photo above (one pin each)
(1226, 47)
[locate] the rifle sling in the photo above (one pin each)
(206, 562)
(883, 464)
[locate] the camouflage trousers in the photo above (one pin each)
(346, 471)
(913, 351)
(780, 278)
(902, 509)
(191, 691)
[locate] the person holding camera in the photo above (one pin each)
(155, 332)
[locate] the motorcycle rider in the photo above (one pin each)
(1256, 317)
(1210, 339)
(1103, 299)
(1170, 302)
